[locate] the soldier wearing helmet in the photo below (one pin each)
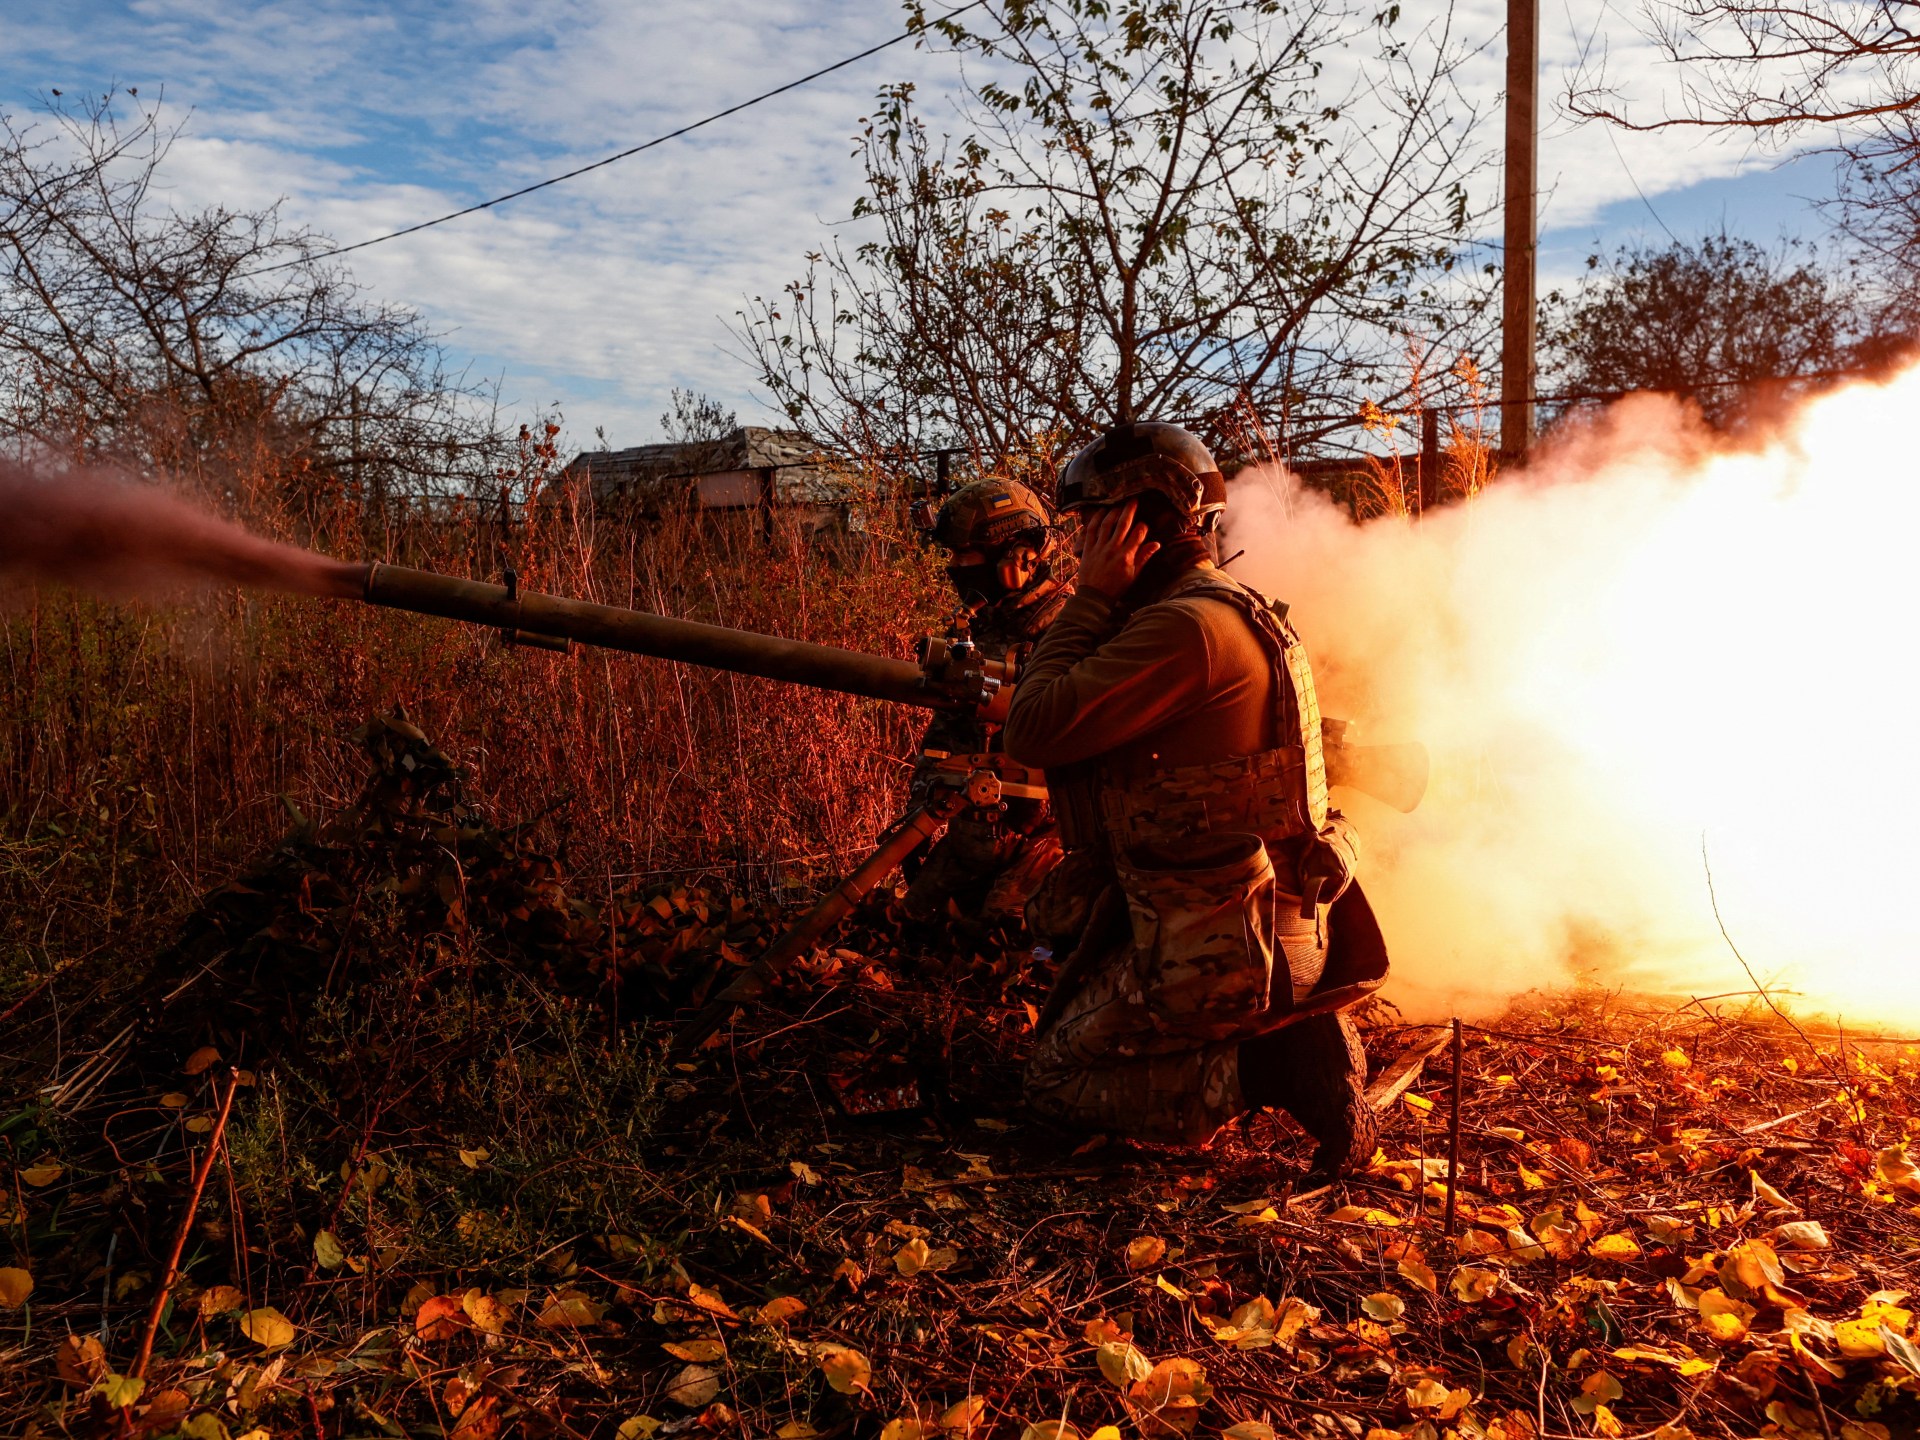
(1173, 710)
(1001, 541)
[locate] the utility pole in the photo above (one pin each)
(1517, 263)
(1429, 459)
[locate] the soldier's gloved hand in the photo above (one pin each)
(1113, 548)
(1328, 864)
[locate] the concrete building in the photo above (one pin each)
(752, 468)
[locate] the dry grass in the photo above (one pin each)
(146, 751)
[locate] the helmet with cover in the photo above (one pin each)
(988, 514)
(1001, 537)
(1147, 457)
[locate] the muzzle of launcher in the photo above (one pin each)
(552, 622)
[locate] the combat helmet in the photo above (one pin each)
(987, 514)
(1147, 457)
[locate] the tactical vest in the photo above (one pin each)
(1277, 794)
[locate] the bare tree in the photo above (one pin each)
(1712, 319)
(697, 419)
(1845, 71)
(133, 331)
(1154, 209)
(1763, 66)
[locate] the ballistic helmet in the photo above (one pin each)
(1146, 457)
(988, 514)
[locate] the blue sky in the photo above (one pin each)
(602, 295)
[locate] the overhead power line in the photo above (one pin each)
(909, 33)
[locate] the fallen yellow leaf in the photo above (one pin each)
(15, 1286)
(1723, 1317)
(1801, 1235)
(1251, 1326)
(846, 1369)
(1121, 1363)
(487, 1314)
(1363, 1215)
(1896, 1168)
(570, 1310)
(1858, 1339)
(1145, 1251)
(911, 1258)
(1168, 1399)
(267, 1328)
(710, 1301)
(1615, 1247)
(1472, 1284)
(1416, 1271)
(327, 1251)
(694, 1386)
(965, 1417)
(1384, 1307)
(779, 1310)
(119, 1391)
(1599, 1388)
(1767, 1195)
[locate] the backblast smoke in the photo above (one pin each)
(99, 532)
(1659, 676)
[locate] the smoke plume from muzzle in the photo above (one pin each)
(1649, 661)
(99, 532)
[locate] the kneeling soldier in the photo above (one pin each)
(1001, 540)
(1173, 710)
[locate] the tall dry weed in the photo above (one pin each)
(147, 751)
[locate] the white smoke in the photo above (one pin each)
(1641, 644)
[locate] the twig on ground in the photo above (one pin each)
(1453, 1128)
(172, 1272)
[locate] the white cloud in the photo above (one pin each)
(605, 292)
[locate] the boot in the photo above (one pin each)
(1316, 1071)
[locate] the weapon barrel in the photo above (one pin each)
(826, 667)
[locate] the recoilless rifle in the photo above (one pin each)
(950, 674)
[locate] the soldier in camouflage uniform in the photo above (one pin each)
(1173, 710)
(1001, 541)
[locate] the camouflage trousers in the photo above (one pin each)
(1207, 952)
(1109, 1064)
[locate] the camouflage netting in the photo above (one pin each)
(414, 876)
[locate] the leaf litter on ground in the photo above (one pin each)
(475, 1176)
